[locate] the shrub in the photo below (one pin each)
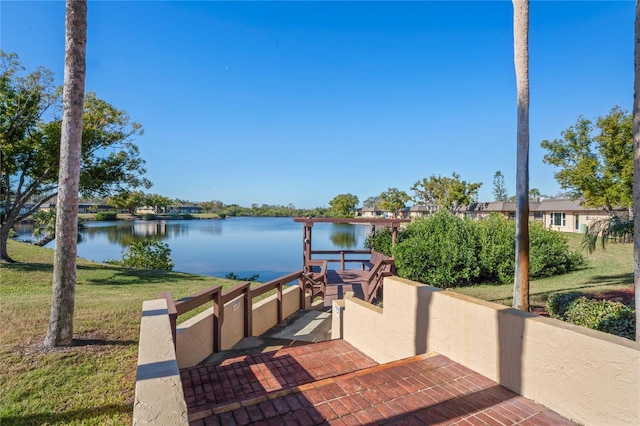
(107, 216)
(497, 248)
(440, 250)
(148, 216)
(147, 254)
(382, 240)
(558, 304)
(602, 315)
(550, 253)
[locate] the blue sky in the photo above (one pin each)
(296, 102)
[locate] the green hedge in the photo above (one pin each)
(446, 251)
(441, 250)
(603, 315)
(107, 216)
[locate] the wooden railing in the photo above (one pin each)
(343, 253)
(220, 297)
(374, 280)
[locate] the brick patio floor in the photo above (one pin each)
(333, 383)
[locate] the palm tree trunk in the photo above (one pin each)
(521, 60)
(60, 330)
(636, 170)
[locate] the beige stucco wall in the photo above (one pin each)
(159, 398)
(194, 337)
(585, 375)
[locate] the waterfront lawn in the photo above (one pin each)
(605, 271)
(93, 381)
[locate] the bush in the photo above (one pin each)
(148, 216)
(148, 254)
(440, 250)
(550, 253)
(107, 216)
(602, 315)
(558, 304)
(497, 248)
(382, 240)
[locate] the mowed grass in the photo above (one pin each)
(605, 270)
(91, 382)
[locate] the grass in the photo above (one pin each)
(91, 382)
(605, 270)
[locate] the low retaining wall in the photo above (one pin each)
(159, 398)
(194, 337)
(582, 374)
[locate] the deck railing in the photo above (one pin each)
(343, 256)
(220, 297)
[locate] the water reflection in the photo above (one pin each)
(270, 247)
(344, 236)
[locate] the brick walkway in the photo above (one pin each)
(333, 383)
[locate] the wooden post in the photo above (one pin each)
(218, 317)
(279, 291)
(394, 235)
(248, 312)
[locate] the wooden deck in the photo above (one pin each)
(340, 281)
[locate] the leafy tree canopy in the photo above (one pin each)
(30, 145)
(500, 192)
(372, 202)
(448, 193)
(394, 200)
(344, 204)
(596, 160)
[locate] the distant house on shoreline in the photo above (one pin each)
(558, 214)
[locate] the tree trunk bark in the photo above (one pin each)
(60, 330)
(636, 170)
(521, 60)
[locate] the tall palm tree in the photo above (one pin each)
(60, 330)
(636, 170)
(521, 60)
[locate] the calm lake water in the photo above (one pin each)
(270, 247)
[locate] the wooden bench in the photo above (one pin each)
(375, 257)
(317, 271)
(383, 266)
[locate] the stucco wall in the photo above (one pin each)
(195, 336)
(585, 375)
(158, 397)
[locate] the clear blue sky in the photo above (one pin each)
(296, 102)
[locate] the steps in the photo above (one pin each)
(333, 383)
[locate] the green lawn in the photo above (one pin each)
(605, 270)
(93, 382)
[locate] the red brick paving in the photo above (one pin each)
(333, 383)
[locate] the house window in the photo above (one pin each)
(558, 219)
(577, 222)
(537, 215)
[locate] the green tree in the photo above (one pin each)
(596, 161)
(499, 187)
(394, 200)
(521, 62)
(148, 254)
(372, 202)
(160, 203)
(344, 204)
(447, 193)
(30, 148)
(127, 200)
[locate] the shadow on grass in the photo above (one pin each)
(125, 276)
(29, 267)
(64, 417)
(597, 281)
(102, 342)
